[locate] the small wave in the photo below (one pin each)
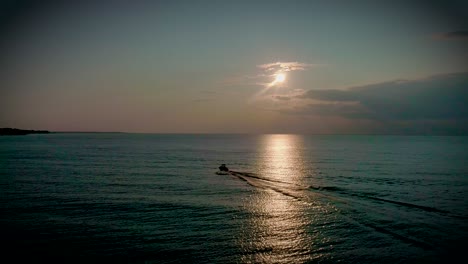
(325, 188)
(345, 192)
(430, 173)
(425, 208)
(411, 205)
(403, 238)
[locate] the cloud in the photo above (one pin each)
(434, 105)
(265, 73)
(460, 34)
(435, 98)
(281, 97)
(267, 78)
(284, 66)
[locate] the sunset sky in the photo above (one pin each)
(384, 67)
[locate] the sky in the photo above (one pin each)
(310, 67)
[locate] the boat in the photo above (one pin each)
(223, 170)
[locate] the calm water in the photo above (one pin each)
(293, 199)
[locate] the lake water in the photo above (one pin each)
(291, 198)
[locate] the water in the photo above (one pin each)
(293, 199)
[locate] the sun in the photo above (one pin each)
(280, 77)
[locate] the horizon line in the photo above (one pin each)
(246, 133)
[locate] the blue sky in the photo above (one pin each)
(196, 66)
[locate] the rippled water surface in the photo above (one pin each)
(288, 199)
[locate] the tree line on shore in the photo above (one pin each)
(15, 131)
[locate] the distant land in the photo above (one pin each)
(15, 131)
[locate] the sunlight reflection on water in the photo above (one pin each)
(282, 157)
(277, 232)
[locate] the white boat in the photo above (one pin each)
(222, 172)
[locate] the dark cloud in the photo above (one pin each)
(461, 34)
(441, 97)
(282, 97)
(348, 110)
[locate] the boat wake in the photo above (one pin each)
(286, 188)
(265, 183)
(346, 200)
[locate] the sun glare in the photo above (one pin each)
(280, 77)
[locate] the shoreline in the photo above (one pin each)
(20, 132)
